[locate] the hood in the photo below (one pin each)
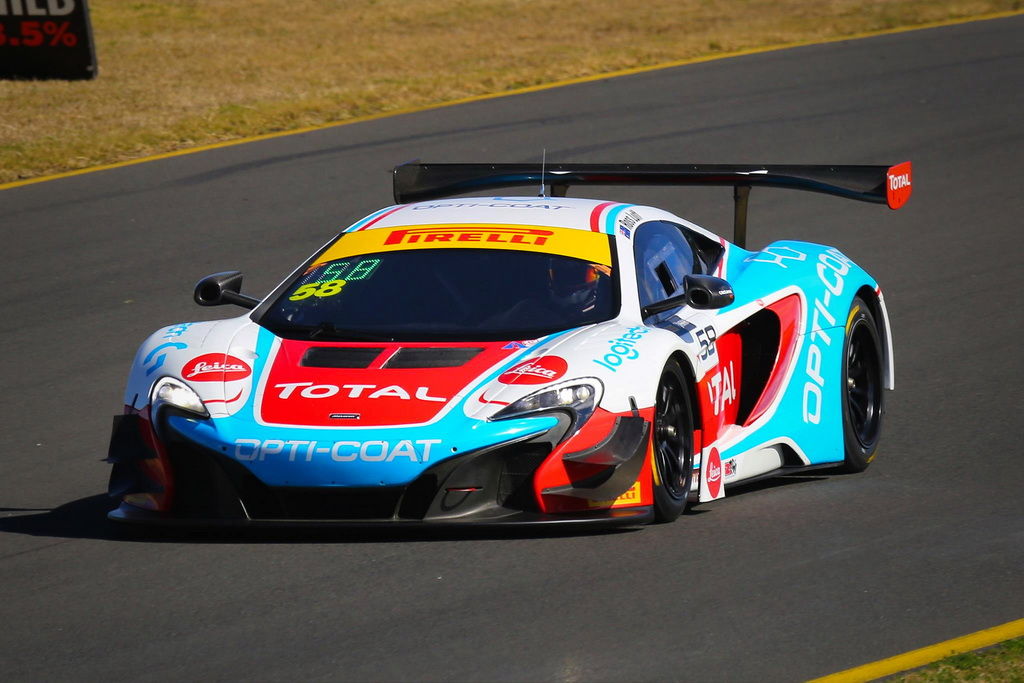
(319, 384)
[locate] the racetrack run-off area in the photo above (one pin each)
(782, 581)
(174, 75)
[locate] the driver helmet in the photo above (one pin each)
(574, 283)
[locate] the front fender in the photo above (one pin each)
(193, 348)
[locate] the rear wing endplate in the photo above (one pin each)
(890, 185)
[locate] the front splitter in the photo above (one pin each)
(621, 517)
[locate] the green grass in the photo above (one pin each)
(1003, 663)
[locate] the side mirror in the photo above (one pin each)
(707, 292)
(700, 291)
(223, 288)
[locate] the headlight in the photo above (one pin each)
(170, 391)
(578, 397)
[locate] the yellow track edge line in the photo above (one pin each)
(927, 655)
(509, 93)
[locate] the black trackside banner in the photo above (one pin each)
(46, 39)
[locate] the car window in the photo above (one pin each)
(449, 294)
(663, 257)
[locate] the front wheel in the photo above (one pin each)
(673, 444)
(863, 395)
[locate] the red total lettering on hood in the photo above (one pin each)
(395, 383)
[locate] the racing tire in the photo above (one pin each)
(673, 444)
(863, 388)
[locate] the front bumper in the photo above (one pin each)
(491, 486)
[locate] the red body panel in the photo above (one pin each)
(719, 390)
(371, 396)
(789, 312)
(158, 469)
(554, 471)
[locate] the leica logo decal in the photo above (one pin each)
(535, 371)
(215, 367)
(714, 473)
(206, 368)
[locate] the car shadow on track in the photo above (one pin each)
(87, 518)
(83, 518)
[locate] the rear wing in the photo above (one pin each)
(890, 185)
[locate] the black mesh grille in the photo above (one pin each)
(339, 357)
(209, 485)
(415, 357)
(518, 466)
(418, 497)
(202, 488)
(339, 503)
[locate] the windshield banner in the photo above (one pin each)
(588, 246)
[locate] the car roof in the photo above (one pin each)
(592, 215)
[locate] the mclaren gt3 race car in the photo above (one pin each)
(504, 360)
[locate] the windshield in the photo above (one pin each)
(444, 294)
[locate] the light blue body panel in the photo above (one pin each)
(359, 457)
(294, 456)
(809, 414)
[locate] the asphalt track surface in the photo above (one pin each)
(785, 581)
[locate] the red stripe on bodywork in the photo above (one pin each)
(483, 399)
(725, 252)
(595, 216)
(379, 218)
(789, 312)
(225, 400)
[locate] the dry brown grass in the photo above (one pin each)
(181, 73)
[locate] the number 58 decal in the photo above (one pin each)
(707, 338)
(318, 289)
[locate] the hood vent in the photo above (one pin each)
(418, 357)
(339, 357)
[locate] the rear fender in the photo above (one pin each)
(875, 300)
(809, 411)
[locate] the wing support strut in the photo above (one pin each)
(741, 197)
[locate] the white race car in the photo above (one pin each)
(503, 360)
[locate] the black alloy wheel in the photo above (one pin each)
(673, 444)
(863, 394)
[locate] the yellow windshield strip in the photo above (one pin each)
(589, 246)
